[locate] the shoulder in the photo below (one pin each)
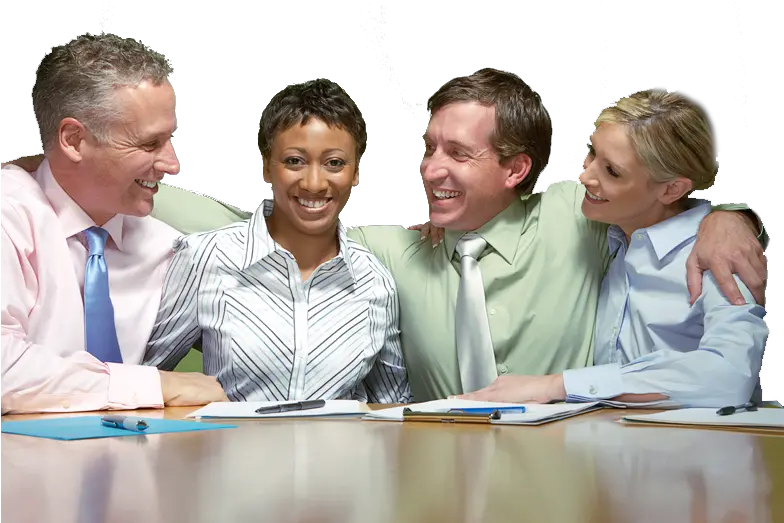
(189, 212)
(566, 194)
(210, 251)
(365, 262)
(389, 243)
(24, 205)
(228, 239)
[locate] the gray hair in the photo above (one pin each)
(79, 79)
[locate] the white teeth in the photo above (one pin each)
(312, 204)
(149, 185)
(445, 195)
(593, 196)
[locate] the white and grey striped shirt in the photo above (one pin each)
(266, 334)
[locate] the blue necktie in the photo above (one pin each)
(100, 334)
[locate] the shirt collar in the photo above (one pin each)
(260, 244)
(502, 232)
(73, 219)
(670, 233)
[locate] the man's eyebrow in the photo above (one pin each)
(453, 143)
(152, 137)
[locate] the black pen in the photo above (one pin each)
(726, 411)
(288, 407)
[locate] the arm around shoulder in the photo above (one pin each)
(190, 213)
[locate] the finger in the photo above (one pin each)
(415, 227)
(438, 236)
(722, 273)
(693, 278)
(750, 275)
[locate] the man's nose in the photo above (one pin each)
(433, 169)
(167, 161)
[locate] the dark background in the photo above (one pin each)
(579, 56)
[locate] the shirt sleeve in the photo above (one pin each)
(763, 235)
(190, 213)
(724, 370)
(387, 381)
(37, 378)
(177, 327)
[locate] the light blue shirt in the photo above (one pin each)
(649, 340)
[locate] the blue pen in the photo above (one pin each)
(490, 410)
(124, 422)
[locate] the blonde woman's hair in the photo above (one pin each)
(670, 133)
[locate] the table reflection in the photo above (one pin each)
(674, 474)
(110, 479)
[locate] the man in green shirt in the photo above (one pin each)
(540, 261)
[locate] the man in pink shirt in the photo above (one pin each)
(82, 262)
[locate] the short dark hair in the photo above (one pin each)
(322, 99)
(522, 124)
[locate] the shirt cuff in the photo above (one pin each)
(134, 387)
(593, 383)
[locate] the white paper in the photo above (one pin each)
(247, 409)
(770, 418)
(536, 414)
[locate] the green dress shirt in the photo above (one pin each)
(542, 272)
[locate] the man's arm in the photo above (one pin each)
(36, 378)
(176, 327)
(723, 371)
(387, 381)
(730, 242)
(190, 213)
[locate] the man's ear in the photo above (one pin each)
(71, 135)
(519, 167)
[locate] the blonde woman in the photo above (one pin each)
(647, 154)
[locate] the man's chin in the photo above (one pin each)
(140, 210)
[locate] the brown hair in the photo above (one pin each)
(522, 124)
(321, 99)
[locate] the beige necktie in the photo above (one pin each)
(475, 355)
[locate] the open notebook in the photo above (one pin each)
(534, 414)
(247, 410)
(764, 418)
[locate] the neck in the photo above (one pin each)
(309, 251)
(501, 205)
(68, 176)
(652, 217)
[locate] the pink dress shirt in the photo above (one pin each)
(45, 367)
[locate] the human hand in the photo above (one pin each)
(726, 245)
(182, 389)
(436, 234)
(521, 389)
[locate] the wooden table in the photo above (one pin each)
(586, 469)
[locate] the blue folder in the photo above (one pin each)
(89, 427)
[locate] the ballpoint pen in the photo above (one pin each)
(288, 407)
(490, 410)
(726, 411)
(125, 422)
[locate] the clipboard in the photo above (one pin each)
(454, 416)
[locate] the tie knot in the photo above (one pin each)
(96, 239)
(471, 245)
